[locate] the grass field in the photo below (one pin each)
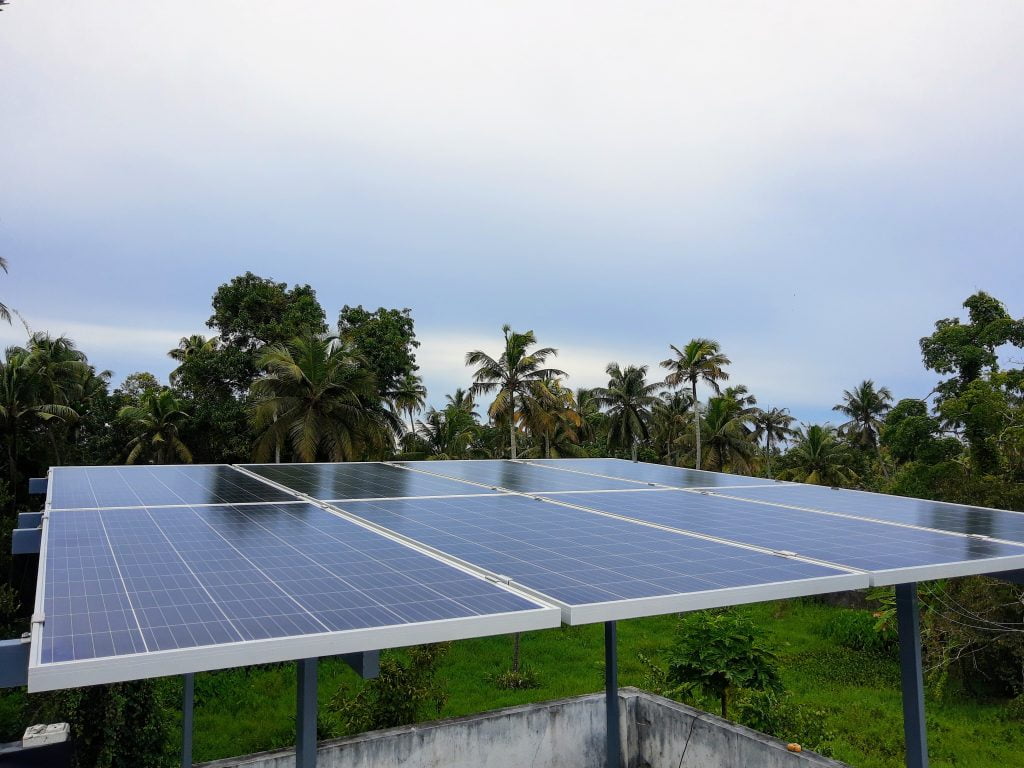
(242, 711)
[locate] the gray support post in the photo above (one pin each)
(186, 720)
(306, 705)
(611, 693)
(914, 731)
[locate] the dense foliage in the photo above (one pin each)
(274, 385)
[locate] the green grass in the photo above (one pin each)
(242, 711)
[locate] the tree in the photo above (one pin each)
(511, 374)
(251, 311)
(969, 350)
(817, 457)
(628, 399)
(385, 338)
(26, 398)
(550, 416)
(775, 425)
(699, 360)
(463, 400)
(448, 433)
(865, 407)
(409, 396)
(669, 419)
(719, 652)
(319, 397)
(728, 438)
(190, 347)
(156, 422)
(984, 410)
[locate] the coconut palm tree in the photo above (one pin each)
(550, 416)
(64, 373)
(511, 374)
(463, 400)
(628, 400)
(728, 442)
(156, 422)
(318, 396)
(448, 433)
(865, 407)
(193, 345)
(589, 409)
(670, 416)
(409, 396)
(26, 398)
(818, 457)
(699, 360)
(775, 425)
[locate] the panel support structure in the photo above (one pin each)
(188, 700)
(914, 730)
(30, 519)
(611, 694)
(14, 662)
(365, 664)
(305, 716)
(1012, 577)
(26, 541)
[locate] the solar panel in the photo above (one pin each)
(894, 554)
(138, 486)
(360, 480)
(517, 476)
(676, 477)
(598, 567)
(943, 516)
(132, 593)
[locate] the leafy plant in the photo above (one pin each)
(776, 714)
(408, 689)
(720, 652)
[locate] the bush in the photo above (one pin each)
(512, 680)
(777, 715)
(407, 690)
(860, 631)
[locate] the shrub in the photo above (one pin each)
(407, 690)
(776, 714)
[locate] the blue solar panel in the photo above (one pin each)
(337, 482)
(126, 581)
(677, 477)
(515, 476)
(996, 523)
(131, 486)
(861, 544)
(577, 557)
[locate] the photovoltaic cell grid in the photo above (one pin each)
(977, 521)
(338, 482)
(855, 543)
(676, 477)
(104, 487)
(122, 581)
(577, 557)
(520, 477)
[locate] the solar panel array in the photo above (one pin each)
(159, 570)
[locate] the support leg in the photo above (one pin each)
(186, 720)
(611, 693)
(914, 732)
(305, 714)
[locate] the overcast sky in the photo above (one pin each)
(813, 184)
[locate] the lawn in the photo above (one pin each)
(242, 711)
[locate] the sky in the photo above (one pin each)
(812, 184)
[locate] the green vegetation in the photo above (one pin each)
(273, 384)
(842, 701)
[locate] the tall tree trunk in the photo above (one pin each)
(768, 452)
(633, 450)
(696, 421)
(547, 446)
(412, 427)
(512, 435)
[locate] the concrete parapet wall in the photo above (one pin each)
(568, 733)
